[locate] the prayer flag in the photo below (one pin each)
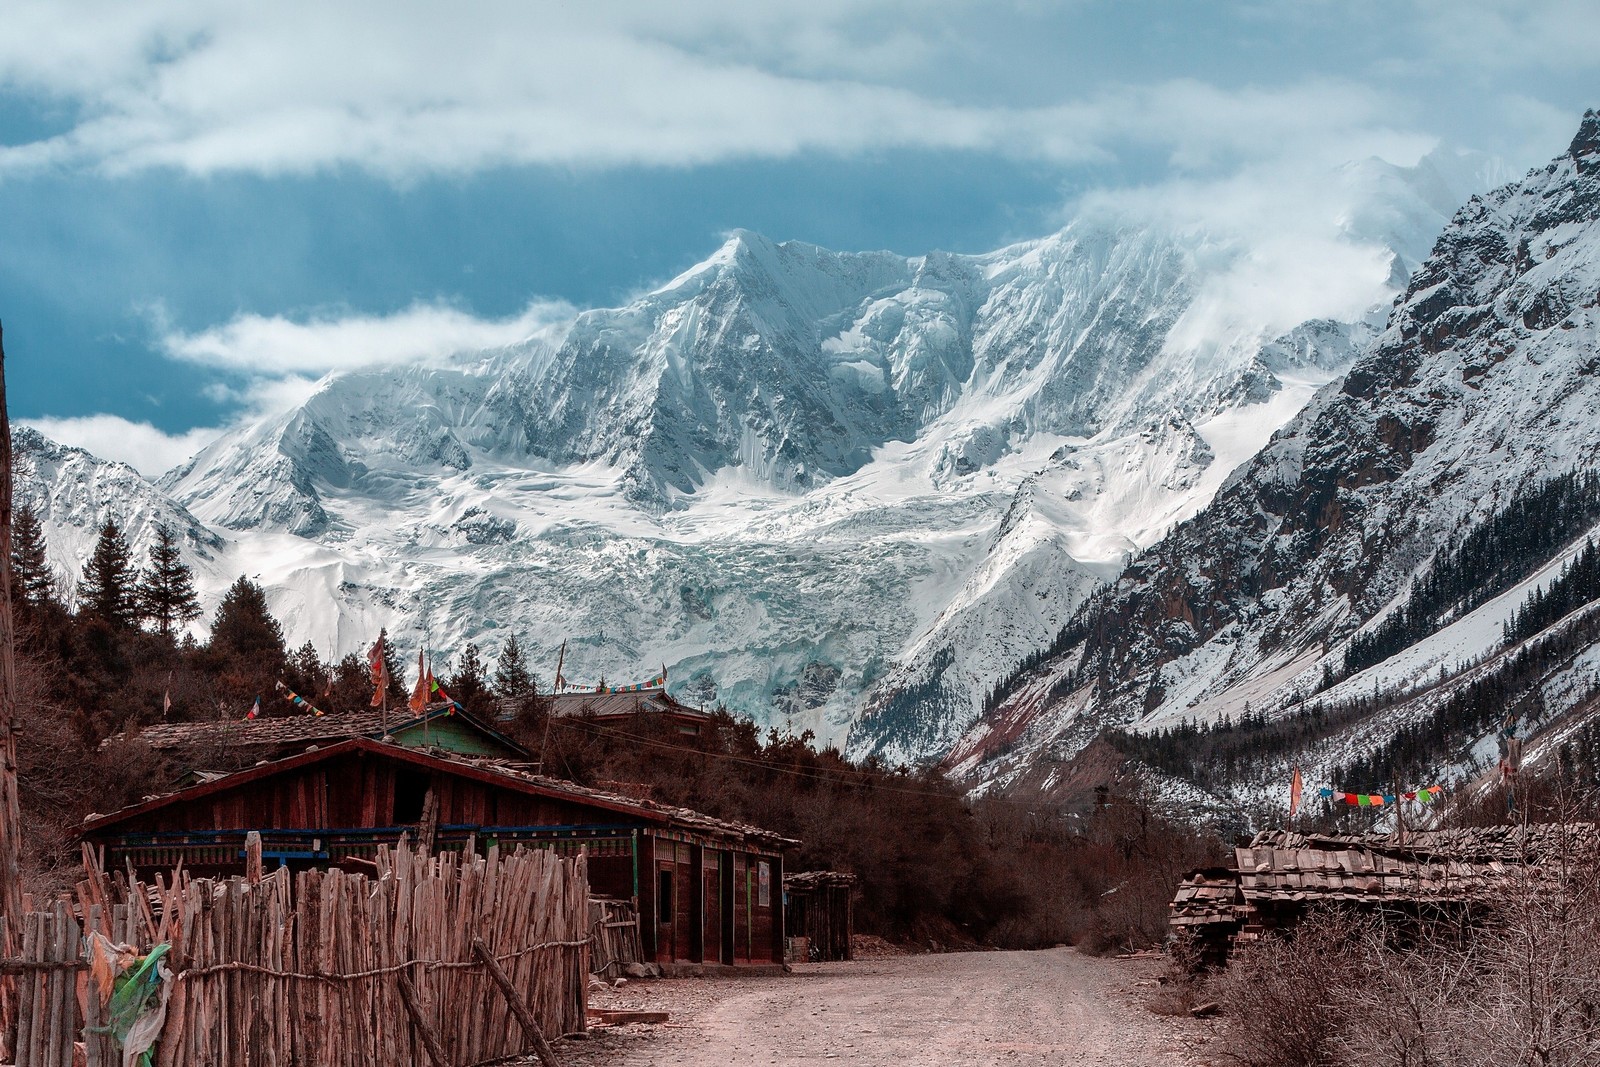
(419, 695)
(255, 708)
(1295, 786)
(439, 694)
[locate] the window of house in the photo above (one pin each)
(664, 896)
(410, 796)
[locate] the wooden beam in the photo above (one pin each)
(530, 1025)
(252, 857)
(419, 1019)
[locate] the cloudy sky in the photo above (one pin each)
(205, 205)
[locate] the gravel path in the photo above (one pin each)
(975, 1008)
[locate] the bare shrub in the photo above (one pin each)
(1542, 1004)
(1182, 980)
(1280, 994)
(1412, 1002)
(1512, 982)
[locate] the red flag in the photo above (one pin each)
(419, 695)
(380, 672)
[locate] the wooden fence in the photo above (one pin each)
(614, 933)
(433, 961)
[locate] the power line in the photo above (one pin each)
(816, 775)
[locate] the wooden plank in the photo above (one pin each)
(419, 1020)
(530, 1026)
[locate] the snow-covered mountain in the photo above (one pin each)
(808, 482)
(74, 493)
(1484, 384)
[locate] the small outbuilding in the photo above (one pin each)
(819, 913)
(706, 890)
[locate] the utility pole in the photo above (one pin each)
(10, 822)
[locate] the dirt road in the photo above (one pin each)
(978, 1008)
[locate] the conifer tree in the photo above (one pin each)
(511, 678)
(352, 685)
(31, 578)
(107, 589)
(166, 587)
(245, 630)
(469, 684)
(307, 674)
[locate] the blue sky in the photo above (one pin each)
(203, 207)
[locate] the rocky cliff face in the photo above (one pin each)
(1484, 381)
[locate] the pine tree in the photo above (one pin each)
(245, 630)
(352, 685)
(469, 685)
(31, 577)
(511, 678)
(107, 589)
(307, 674)
(166, 587)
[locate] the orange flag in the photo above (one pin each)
(419, 695)
(1295, 787)
(380, 672)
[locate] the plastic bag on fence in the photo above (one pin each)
(140, 987)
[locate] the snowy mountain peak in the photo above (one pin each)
(1482, 385)
(809, 481)
(1586, 143)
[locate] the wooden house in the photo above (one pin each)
(1273, 882)
(819, 913)
(444, 726)
(707, 891)
(619, 708)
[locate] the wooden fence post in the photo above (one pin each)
(530, 1026)
(252, 857)
(430, 1036)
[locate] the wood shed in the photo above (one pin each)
(707, 891)
(819, 910)
(1273, 882)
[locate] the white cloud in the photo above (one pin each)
(279, 349)
(404, 89)
(149, 451)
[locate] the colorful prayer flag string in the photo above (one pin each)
(1378, 800)
(297, 700)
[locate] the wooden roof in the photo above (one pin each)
(806, 881)
(604, 705)
(1444, 866)
(1205, 896)
(496, 773)
(290, 730)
